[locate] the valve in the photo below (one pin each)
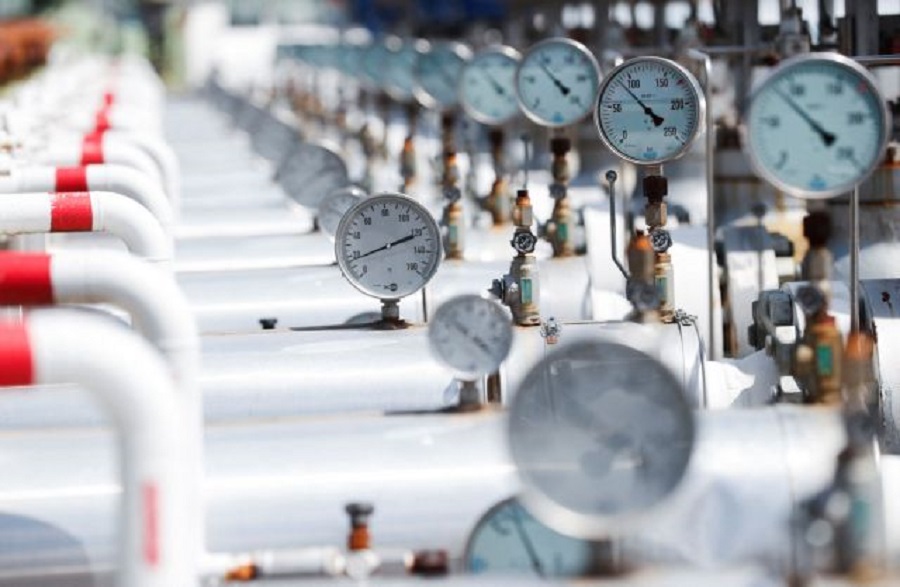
(519, 289)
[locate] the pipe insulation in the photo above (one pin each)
(52, 347)
(38, 213)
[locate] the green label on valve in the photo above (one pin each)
(824, 360)
(525, 288)
(453, 235)
(662, 289)
(562, 232)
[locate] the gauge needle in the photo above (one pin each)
(827, 137)
(526, 541)
(498, 87)
(476, 340)
(405, 239)
(657, 119)
(564, 89)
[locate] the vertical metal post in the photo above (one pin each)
(854, 260)
(710, 199)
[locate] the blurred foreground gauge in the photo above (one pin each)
(816, 126)
(557, 82)
(507, 539)
(649, 110)
(601, 434)
(471, 335)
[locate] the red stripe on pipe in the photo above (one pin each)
(102, 122)
(109, 97)
(151, 523)
(71, 179)
(92, 149)
(25, 279)
(16, 361)
(95, 135)
(71, 212)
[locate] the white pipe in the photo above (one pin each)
(94, 211)
(53, 347)
(72, 150)
(161, 153)
(153, 299)
(112, 178)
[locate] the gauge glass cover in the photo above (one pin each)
(335, 205)
(437, 74)
(471, 335)
(601, 434)
(388, 246)
(400, 74)
(816, 126)
(649, 110)
(509, 540)
(557, 81)
(312, 172)
(487, 86)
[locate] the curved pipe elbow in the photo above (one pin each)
(62, 346)
(88, 212)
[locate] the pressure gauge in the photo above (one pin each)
(649, 110)
(486, 87)
(388, 246)
(471, 335)
(399, 76)
(817, 126)
(335, 205)
(312, 172)
(437, 74)
(556, 82)
(374, 65)
(601, 433)
(507, 539)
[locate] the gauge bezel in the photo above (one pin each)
(497, 312)
(864, 75)
(473, 112)
(693, 86)
(576, 524)
(424, 97)
(344, 225)
(535, 49)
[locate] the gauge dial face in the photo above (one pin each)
(437, 74)
(335, 205)
(374, 65)
(556, 82)
(311, 173)
(471, 335)
(817, 126)
(388, 246)
(486, 87)
(509, 540)
(650, 110)
(400, 74)
(601, 433)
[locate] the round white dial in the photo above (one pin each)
(600, 433)
(486, 87)
(817, 126)
(437, 74)
(335, 205)
(509, 540)
(471, 334)
(556, 82)
(649, 110)
(388, 246)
